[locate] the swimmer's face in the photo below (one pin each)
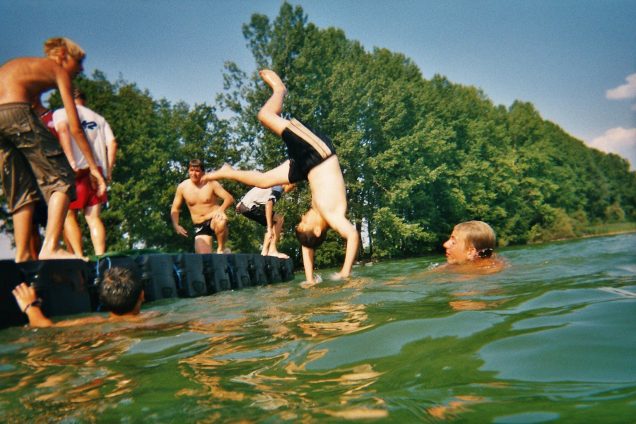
(195, 174)
(458, 250)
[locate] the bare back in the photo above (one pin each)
(24, 79)
(201, 199)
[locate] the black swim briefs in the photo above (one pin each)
(305, 149)
(203, 229)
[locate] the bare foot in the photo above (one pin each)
(308, 284)
(278, 255)
(221, 173)
(60, 254)
(273, 80)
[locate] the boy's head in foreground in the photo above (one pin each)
(120, 292)
(469, 241)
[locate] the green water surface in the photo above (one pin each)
(546, 340)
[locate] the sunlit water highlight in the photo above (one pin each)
(549, 339)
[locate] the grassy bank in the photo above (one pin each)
(607, 229)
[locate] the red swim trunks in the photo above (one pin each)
(86, 194)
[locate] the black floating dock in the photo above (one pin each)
(70, 286)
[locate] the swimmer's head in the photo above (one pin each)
(120, 292)
(311, 231)
(470, 240)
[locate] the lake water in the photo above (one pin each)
(549, 339)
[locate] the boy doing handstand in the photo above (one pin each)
(312, 158)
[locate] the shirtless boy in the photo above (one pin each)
(311, 158)
(30, 153)
(207, 216)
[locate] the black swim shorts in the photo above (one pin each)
(305, 149)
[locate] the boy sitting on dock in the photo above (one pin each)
(312, 158)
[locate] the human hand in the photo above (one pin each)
(181, 231)
(25, 295)
(98, 181)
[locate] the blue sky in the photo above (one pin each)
(575, 60)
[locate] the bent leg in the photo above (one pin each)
(220, 227)
(269, 115)
(96, 227)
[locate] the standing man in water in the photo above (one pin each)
(207, 216)
(104, 147)
(30, 154)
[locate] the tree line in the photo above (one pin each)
(418, 155)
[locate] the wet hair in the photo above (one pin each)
(119, 290)
(480, 235)
(57, 45)
(196, 163)
(307, 238)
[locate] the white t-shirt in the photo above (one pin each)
(98, 134)
(260, 196)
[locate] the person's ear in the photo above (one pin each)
(317, 231)
(142, 296)
(472, 253)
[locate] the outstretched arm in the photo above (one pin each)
(25, 296)
(308, 264)
(64, 86)
(347, 231)
(64, 135)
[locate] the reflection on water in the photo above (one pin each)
(550, 338)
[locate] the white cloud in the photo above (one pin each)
(621, 141)
(625, 91)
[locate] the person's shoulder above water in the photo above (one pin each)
(485, 266)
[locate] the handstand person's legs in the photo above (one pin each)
(269, 115)
(276, 176)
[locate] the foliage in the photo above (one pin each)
(418, 155)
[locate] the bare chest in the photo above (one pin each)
(199, 196)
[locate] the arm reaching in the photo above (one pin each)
(28, 303)
(64, 86)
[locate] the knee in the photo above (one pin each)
(219, 224)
